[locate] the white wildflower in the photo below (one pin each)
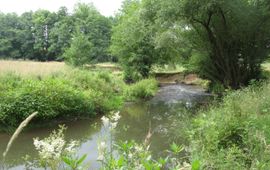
(100, 157)
(71, 147)
(101, 150)
(138, 148)
(105, 121)
(149, 158)
(113, 125)
(102, 146)
(51, 148)
(116, 116)
(130, 155)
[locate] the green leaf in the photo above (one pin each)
(82, 159)
(175, 148)
(195, 165)
(67, 160)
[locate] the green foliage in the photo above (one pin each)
(80, 51)
(234, 135)
(51, 98)
(227, 37)
(141, 90)
(91, 37)
(133, 40)
(105, 89)
(225, 40)
(45, 36)
(76, 93)
(74, 163)
(132, 156)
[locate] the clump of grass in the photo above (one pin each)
(234, 134)
(143, 89)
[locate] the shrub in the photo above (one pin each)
(141, 90)
(234, 134)
(105, 89)
(51, 98)
(76, 93)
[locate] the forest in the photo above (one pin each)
(175, 84)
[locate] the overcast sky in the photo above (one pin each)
(106, 7)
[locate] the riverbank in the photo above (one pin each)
(65, 94)
(234, 134)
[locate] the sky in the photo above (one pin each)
(106, 7)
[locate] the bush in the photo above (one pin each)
(76, 93)
(50, 98)
(80, 51)
(141, 90)
(234, 135)
(105, 89)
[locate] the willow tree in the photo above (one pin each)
(134, 39)
(231, 37)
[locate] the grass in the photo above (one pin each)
(31, 67)
(234, 134)
(168, 69)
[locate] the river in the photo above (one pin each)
(157, 113)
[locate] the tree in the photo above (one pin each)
(96, 27)
(43, 23)
(230, 37)
(80, 51)
(26, 36)
(132, 41)
(9, 30)
(61, 33)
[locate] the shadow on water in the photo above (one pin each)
(170, 103)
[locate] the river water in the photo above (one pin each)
(157, 113)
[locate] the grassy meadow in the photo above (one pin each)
(31, 67)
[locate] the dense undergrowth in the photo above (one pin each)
(74, 93)
(234, 134)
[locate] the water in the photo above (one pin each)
(134, 124)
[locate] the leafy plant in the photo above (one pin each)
(74, 163)
(141, 90)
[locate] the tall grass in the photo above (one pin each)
(235, 134)
(31, 67)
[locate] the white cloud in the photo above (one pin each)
(106, 7)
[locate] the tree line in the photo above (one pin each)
(46, 36)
